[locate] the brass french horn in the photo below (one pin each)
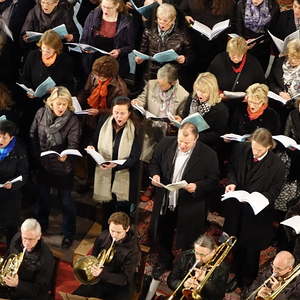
(83, 267)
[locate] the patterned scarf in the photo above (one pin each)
(167, 101)
(256, 17)
(53, 125)
(4, 152)
(162, 34)
(291, 78)
(201, 107)
(97, 99)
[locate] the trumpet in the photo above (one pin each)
(283, 284)
(83, 266)
(10, 266)
(208, 268)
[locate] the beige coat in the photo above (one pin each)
(151, 102)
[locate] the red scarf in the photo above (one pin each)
(241, 66)
(257, 114)
(97, 99)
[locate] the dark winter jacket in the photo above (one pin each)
(38, 21)
(121, 269)
(70, 140)
(215, 287)
(14, 165)
(35, 273)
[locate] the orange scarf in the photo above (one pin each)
(257, 114)
(97, 99)
(49, 61)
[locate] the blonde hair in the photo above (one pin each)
(208, 82)
(263, 137)
(237, 45)
(60, 92)
(51, 39)
(167, 10)
(293, 48)
(258, 91)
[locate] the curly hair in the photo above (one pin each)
(106, 66)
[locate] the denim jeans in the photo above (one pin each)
(68, 209)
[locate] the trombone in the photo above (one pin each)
(210, 266)
(294, 273)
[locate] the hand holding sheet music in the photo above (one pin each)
(99, 159)
(19, 178)
(287, 142)
(293, 222)
(256, 200)
(172, 186)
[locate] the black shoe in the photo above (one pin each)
(66, 243)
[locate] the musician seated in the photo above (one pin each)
(204, 250)
(33, 278)
(116, 276)
(279, 271)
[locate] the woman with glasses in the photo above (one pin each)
(48, 60)
(109, 28)
(48, 14)
(255, 112)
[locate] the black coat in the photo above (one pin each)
(35, 273)
(217, 118)
(132, 162)
(265, 177)
(285, 24)
(202, 169)
(35, 72)
(221, 67)
(14, 165)
(121, 269)
(54, 171)
(215, 287)
(38, 21)
(241, 124)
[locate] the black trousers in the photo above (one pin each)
(104, 291)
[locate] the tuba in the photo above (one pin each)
(83, 266)
(283, 284)
(10, 266)
(210, 266)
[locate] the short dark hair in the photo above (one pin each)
(189, 127)
(8, 127)
(122, 100)
(120, 218)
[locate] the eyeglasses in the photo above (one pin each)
(278, 269)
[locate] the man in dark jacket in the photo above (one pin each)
(176, 159)
(33, 278)
(115, 277)
(253, 168)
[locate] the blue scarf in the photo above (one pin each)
(4, 152)
(257, 17)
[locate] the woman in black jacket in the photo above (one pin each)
(255, 113)
(56, 127)
(284, 79)
(235, 69)
(117, 138)
(13, 163)
(47, 61)
(253, 18)
(48, 14)
(206, 100)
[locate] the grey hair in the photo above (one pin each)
(168, 72)
(206, 241)
(31, 225)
